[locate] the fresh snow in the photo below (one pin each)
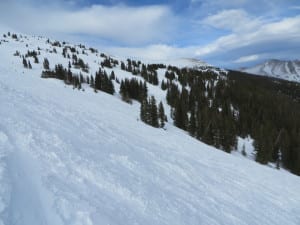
(286, 70)
(81, 158)
(246, 144)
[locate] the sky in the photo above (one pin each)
(225, 33)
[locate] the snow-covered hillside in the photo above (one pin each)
(80, 158)
(287, 70)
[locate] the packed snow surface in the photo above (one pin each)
(70, 157)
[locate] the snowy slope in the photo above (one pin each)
(287, 70)
(74, 157)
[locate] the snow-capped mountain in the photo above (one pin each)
(70, 157)
(286, 70)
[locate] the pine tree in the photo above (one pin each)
(155, 78)
(25, 64)
(98, 82)
(180, 113)
(112, 75)
(81, 78)
(143, 110)
(92, 82)
(69, 77)
(161, 114)
(192, 123)
(244, 150)
(123, 67)
(36, 59)
(46, 64)
(164, 86)
(153, 113)
(29, 65)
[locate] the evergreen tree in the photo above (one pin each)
(192, 123)
(143, 110)
(81, 78)
(123, 67)
(29, 65)
(98, 83)
(92, 82)
(244, 150)
(180, 116)
(112, 75)
(46, 64)
(154, 116)
(25, 64)
(161, 114)
(36, 59)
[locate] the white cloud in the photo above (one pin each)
(236, 20)
(221, 3)
(284, 32)
(153, 52)
(118, 23)
(246, 46)
(248, 58)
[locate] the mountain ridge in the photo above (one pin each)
(281, 69)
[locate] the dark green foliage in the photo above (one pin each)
(29, 65)
(153, 113)
(161, 115)
(59, 73)
(203, 109)
(149, 113)
(25, 64)
(244, 153)
(106, 63)
(269, 110)
(56, 44)
(17, 53)
(192, 123)
(64, 52)
(31, 54)
(112, 75)
(123, 67)
(103, 83)
(79, 64)
(172, 94)
(170, 75)
(93, 50)
(180, 114)
(82, 80)
(92, 82)
(36, 59)
(164, 85)
(133, 89)
(67, 76)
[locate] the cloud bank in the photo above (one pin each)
(119, 23)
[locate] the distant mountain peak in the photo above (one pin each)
(282, 69)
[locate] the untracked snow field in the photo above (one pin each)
(70, 157)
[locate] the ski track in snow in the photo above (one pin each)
(80, 158)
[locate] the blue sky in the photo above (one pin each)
(228, 33)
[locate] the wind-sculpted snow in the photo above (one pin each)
(69, 157)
